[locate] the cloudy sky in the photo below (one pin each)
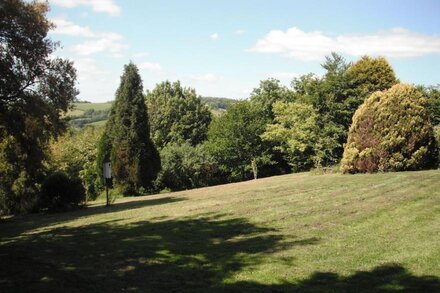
(224, 48)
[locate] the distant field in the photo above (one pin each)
(95, 106)
(98, 123)
(292, 233)
(80, 108)
(84, 114)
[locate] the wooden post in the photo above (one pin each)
(107, 172)
(106, 193)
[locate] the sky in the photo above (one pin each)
(224, 48)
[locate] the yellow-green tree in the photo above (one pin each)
(366, 76)
(297, 134)
(75, 154)
(391, 131)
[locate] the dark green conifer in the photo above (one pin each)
(126, 141)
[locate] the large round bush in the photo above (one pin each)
(60, 193)
(391, 131)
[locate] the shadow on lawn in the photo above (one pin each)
(192, 254)
(20, 224)
(385, 278)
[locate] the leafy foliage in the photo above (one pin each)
(366, 76)
(269, 92)
(333, 99)
(176, 115)
(234, 141)
(369, 75)
(75, 154)
(60, 193)
(391, 131)
(126, 141)
(432, 94)
(297, 135)
(185, 167)
(35, 91)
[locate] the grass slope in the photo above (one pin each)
(294, 233)
(80, 108)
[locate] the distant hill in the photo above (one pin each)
(87, 113)
(84, 113)
(218, 103)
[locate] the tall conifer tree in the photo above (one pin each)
(126, 141)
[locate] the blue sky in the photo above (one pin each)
(224, 48)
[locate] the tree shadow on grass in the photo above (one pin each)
(385, 278)
(186, 255)
(17, 225)
(191, 254)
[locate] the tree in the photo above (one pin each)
(437, 140)
(328, 97)
(35, 91)
(366, 76)
(75, 154)
(234, 141)
(269, 92)
(432, 94)
(177, 115)
(126, 140)
(391, 131)
(298, 136)
(185, 166)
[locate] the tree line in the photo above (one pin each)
(356, 117)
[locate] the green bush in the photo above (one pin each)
(19, 178)
(60, 193)
(185, 166)
(75, 154)
(437, 140)
(391, 131)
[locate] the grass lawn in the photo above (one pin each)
(292, 233)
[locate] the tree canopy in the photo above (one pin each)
(35, 91)
(366, 76)
(177, 115)
(234, 141)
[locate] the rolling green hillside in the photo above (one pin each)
(292, 233)
(80, 108)
(84, 114)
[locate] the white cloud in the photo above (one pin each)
(88, 69)
(106, 42)
(309, 46)
(240, 31)
(154, 67)
(65, 27)
(209, 77)
(99, 42)
(214, 36)
(106, 6)
(95, 83)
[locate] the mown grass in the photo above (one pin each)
(292, 233)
